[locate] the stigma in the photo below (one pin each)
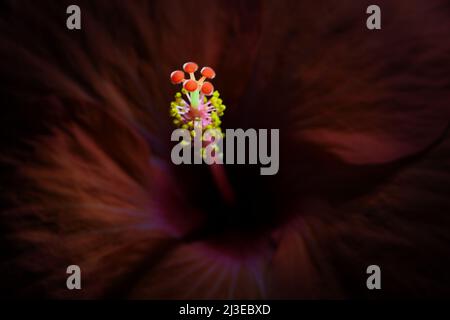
(197, 104)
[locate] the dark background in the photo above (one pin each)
(86, 175)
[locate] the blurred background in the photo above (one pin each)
(86, 176)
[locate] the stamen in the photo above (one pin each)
(203, 104)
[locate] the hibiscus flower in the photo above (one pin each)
(87, 177)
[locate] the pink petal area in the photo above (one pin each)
(371, 147)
